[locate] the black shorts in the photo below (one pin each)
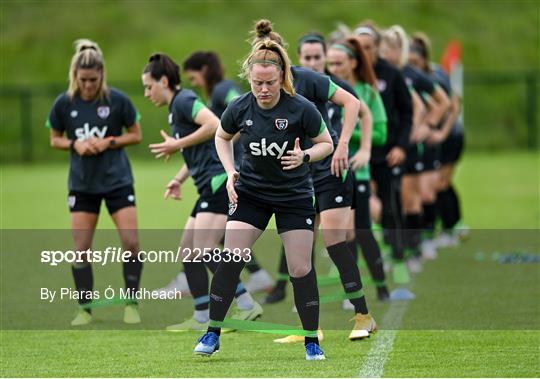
(290, 215)
(452, 148)
(414, 164)
(332, 192)
(361, 190)
(91, 202)
(430, 157)
(212, 202)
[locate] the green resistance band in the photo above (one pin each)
(106, 303)
(262, 327)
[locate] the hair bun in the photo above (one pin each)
(263, 28)
(84, 44)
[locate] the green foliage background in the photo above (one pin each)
(37, 37)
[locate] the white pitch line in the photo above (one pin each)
(377, 356)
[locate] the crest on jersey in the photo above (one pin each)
(103, 112)
(232, 208)
(282, 123)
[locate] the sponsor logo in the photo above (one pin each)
(232, 208)
(274, 150)
(381, 84)
(71, 201)
(339, 199)
(204, 205)
(216, 297)
(86, 132)
(131, 198)
(361, 188)
(103, 112)
(249, 122)
(74, 113)
(309, 221)
(282, 123)
(396, 170)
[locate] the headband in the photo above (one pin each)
(265, 61)
(311, 38)
(344, 48)
(415, 47)
(364, 30)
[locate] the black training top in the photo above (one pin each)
(222, 94)
(318, 89)
(419, 81)
(442, 79)
(267, 135)
(334, 110)
(398, 105)
(99, 118)
(201, 159)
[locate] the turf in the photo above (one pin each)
(472, 316)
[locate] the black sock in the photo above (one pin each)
(253, 266)
(372, 254)
(224, 286)
(351, 245)
(455, 214)
(213, 265)
(430, 214)
(84, 281)
(214, 330)
(413, 230)
(349, 274)
(132, 273)
(283, 272)
(306, 299)
(197, 279)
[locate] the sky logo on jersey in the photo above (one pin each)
(103, 112)
(260, 148)
(282, 123)
(85, 132)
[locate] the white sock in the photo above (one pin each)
(244, 302)
(202, 316)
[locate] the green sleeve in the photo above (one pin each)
(197, 106)
(231, 95)
(376, 106)
(332, 88)
(48, 124)
(323, 126)
(379, 134)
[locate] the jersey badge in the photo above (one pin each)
(103, 112)
(282, 123)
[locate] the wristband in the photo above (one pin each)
(306, 157)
